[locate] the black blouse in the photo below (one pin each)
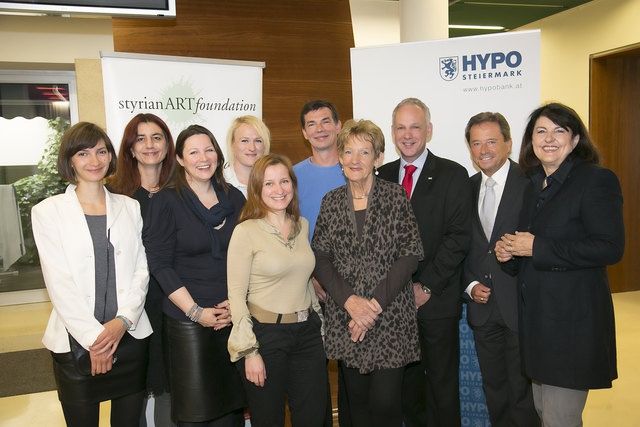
(179, 249)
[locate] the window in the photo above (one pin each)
(35, 108)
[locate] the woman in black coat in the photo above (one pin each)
(571, 228)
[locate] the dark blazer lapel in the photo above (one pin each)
(506, 207)
(476, 181)
(426, 176)
(390, 171)
(394, 171)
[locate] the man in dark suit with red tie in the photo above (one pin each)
(492, 309)
(441, 199)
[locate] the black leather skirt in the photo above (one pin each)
(204, 383)
(127, 376)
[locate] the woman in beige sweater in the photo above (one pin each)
(276, 336)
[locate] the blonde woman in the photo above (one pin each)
(248, 140)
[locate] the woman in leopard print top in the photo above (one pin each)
(367, 246)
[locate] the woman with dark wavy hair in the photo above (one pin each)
(571, 229)
(186, 234)
(145, 159)
(145, 163)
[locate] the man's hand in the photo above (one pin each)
(421, 296)
(480, 293)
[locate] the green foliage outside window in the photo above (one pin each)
(35, 188)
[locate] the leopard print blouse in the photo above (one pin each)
(390, 231)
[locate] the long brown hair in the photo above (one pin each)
(255, 208)
(127, 178)
(179, 181)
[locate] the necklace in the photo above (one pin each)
(360, 198)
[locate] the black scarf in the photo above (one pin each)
(213, 217)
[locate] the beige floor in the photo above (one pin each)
(21, 328)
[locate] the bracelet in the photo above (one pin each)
(128, 323)
(197, 314)
(194, 312)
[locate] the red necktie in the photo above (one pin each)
(407, 181)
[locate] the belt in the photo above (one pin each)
(266, 316)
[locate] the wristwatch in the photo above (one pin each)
(425, 289)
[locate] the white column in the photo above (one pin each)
(424, 20)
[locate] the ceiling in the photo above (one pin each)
(509, 14)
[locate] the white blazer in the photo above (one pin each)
(66, 256)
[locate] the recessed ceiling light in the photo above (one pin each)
(477, 27)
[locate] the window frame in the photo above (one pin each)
(19, 76)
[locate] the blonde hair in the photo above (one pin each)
(255, 123)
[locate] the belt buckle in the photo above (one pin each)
(303, 315)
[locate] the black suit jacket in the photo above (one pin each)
(441, 202)
(481, 263)
(567, 332)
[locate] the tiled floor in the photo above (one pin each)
(21, 328)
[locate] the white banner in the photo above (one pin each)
(180, 90)
(457, 78)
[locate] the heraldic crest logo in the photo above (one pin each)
(449, 68)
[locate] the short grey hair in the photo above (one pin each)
(412, 101)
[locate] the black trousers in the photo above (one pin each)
(508, 392)
(375, 397)
(431, 389)
(125, 412)
(295, 362)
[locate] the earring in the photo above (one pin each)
(375, 171)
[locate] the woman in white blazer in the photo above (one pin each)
(95, 271)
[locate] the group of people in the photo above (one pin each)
(251, 274)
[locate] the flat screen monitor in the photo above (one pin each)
(132, 8)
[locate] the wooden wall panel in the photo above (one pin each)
(615, 128)
(305, 45)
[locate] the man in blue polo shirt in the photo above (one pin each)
(317, 175)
